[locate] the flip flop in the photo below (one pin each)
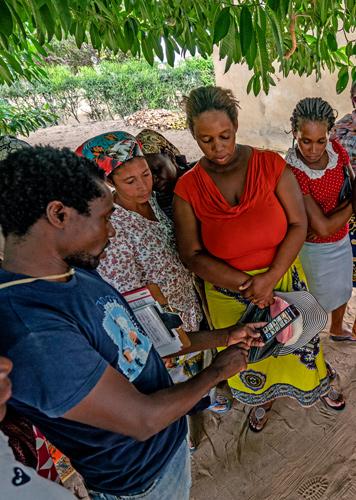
(220, 405)
(343, 338)
(335, 396)
(253, 419)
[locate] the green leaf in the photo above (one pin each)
(48, 21)
(170, 55)
(65, 15)
(263, 58)
(120, 40)
(128, 6)
(155, 41)
(94, 36)
(4, 72)
(353, 74)
(276, 31)
(284, 6)
(246, 29)
(39, 47)
(147, 49)
(79, 34)
(228, 64)
(349, 49)
(230, 45)
(4, 41)
(129, 33)
(13, 62)
(6, 23)
(262, 20)
(324, 9)
(273, 4)
(249, 85)
(343, 79)
(252, 52)
(310, 39)
(222, 25)
(58, 32)
(256, 85)
(332, 42)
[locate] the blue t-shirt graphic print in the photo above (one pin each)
(133, 345)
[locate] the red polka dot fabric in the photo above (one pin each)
(326, 189)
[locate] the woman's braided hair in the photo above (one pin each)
(312, 109)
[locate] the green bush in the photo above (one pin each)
(14, 121)
(111, 88)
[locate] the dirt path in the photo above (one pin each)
(73, 135)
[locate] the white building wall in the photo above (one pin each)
(263, 120)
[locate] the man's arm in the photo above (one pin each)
(116, 405)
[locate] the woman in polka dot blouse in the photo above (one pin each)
(320, 167)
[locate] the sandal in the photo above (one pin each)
(257, 418)
(220, 405)
(192, 447)
(334, 400)
(332, 373)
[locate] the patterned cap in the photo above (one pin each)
(155, 143)
(110, 150)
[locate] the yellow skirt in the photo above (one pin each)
(301, 375)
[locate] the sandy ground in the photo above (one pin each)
(302, 453)
(74, 134)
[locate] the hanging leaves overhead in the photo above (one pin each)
(297, 36)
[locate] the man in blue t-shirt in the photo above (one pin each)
(118, 418)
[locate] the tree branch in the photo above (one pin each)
(292, 26)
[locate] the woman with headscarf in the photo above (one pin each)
(143, 251)
(167, 164)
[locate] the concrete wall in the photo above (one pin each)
(263, 120)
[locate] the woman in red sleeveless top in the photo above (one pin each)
(240, 223)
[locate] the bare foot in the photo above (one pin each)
(334, 399)
(258, 417)
(344, 331)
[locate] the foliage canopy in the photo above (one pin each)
(301, 36)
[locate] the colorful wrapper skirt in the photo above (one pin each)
(301, 375)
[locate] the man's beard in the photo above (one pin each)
(83, 260)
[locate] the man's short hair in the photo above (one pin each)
(33, 177)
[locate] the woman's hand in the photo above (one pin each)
(311, 236)
(259, 289)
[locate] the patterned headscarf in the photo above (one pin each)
(9, 144)
(155, 143)
(110, 150)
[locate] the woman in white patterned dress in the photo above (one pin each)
(144, 251)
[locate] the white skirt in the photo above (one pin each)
(328, 268)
